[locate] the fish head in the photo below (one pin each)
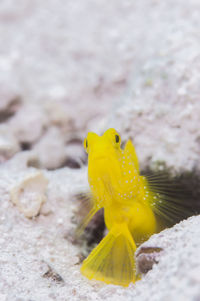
(102, 147)
(104, 161)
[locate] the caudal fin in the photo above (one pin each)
(112, 261)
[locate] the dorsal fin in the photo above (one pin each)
(129, 151)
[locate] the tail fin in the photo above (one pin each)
(112, 261)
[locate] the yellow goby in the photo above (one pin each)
(117, 186)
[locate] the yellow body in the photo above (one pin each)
(116, 185)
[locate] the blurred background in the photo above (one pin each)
(68, 67)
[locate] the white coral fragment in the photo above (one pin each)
(30, 194)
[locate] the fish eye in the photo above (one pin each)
(85, 144)
(117, 138)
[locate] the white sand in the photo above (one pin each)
(29, 246)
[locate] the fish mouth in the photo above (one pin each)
(100, 158)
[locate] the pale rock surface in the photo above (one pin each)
(29, 194)
(50, 149)
(89, 66)
(9, 145)
(29, 123)
(62, 115)
(10, 101)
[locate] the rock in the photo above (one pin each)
(10, 101)
(50, 150)
(9, 105)
(175, 274)
(9, 145)
(59, 114)
(28, 124)
(29, 194)
(146, 258)
(75, 154)
(51, 274)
